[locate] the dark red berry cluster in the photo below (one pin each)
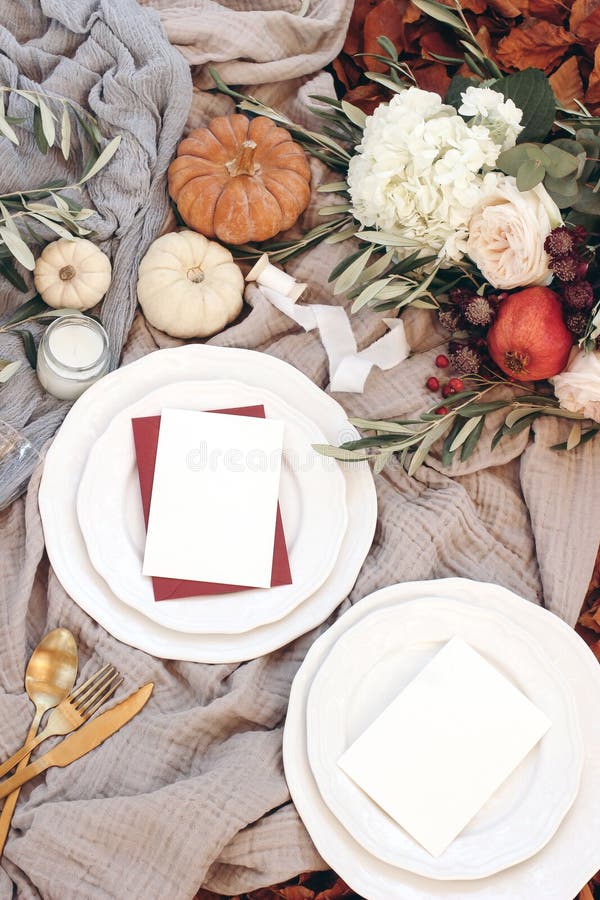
(452, 386)
(569, 262)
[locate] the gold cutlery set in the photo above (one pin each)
(49, 681)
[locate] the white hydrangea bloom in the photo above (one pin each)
(484, 106)
(416, 172)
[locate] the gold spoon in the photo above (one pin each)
(50, 675)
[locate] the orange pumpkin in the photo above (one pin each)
(529, 340)
(240, 180)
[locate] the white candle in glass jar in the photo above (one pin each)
(72, 355)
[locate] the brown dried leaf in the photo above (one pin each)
(353, 42)
(367, 97)
(510, 9)
(589, 29)
(592, 95)
(296, 892)
(432, 77)
(586, 893)
(567, 84)
(534, 43)
(553, 11)
(388, 18)
(337, 891)
(580, 11)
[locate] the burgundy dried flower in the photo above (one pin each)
(459, 296)
(577, 323)
(559, 242)
(579, 296)
(579, 234)
(565, 268)
(479, 311)
(464, 359)
(449, 319)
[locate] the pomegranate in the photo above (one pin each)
(529, 339)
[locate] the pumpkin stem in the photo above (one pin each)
(243, 162)
(516, 361)
(195, 274)
(66, 273)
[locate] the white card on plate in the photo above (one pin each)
(438, 752)
(214, 499)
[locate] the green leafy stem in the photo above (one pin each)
(460, 427)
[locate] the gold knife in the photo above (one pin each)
(86, 738)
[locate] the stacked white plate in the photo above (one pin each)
(531, 839)
(92, 515)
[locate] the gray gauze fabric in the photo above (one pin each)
(113, 59)
(192, 791)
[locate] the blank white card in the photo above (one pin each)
(214, 499)
(438, 752)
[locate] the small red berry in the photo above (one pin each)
(432, 383)
(442, 362)
(447, 390)
(456, 384)
(441, 411)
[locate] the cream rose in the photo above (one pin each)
(578, 387)
(507, 231)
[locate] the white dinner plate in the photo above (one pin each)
(312, 500)
(367, 668)
(560, 868)
(91, 415)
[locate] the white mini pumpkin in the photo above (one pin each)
(74, 274)
(189, 286)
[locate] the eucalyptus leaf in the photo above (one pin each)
(369, 292)
(464, 433)
(332, 187)
(588, 201)
(32, 307)
(7, 269)
(28, 346)
(18, 248)
(530, 174)
(440, 14)
(7, 131)
(65, 133)
(471, 442)
(38, 131)
(560, 163)
(356, 115)
(106, 155)
(8, 369)
(47, 120)
(349, 276)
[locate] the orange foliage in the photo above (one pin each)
(558, 36)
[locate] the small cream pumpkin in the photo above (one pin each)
(189, 286)
(74, 274)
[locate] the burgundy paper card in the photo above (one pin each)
(145, 435)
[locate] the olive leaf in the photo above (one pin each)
(8, 369)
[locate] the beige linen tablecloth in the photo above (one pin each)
(192, 791)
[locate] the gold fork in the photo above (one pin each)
(73, 711)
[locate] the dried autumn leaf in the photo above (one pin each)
(580, 11)
(589, 620)
(536, 44)
(474, 6)
(567, 84)
(338, 891)
(553, 11)
(353, 42)
(586, 893)
(588, 30)
(510, 9)
(434, 43)
(367, 97)
(592, 95)
(389, 19)
(296, 892)
(432, 77)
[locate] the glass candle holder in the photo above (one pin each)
(73, 354)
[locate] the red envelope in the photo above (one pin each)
(145, 435)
